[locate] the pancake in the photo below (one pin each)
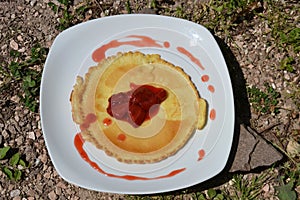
(163, 131)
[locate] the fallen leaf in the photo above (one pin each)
(293, 148)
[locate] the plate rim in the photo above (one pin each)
(42, 89)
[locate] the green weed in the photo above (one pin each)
(264, 102)
(284, 31)
(27, 76)
(286, 191)
(289, 180)
(128, 7)
(180, 12)
(295, 96)
(283, 28)
(153, 4)
(245, 188)
(66, 18)
(287, 64)
(227, 14)
(213, 194)
(12, 166)
(291, 37)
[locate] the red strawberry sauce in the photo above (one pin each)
(136, 105)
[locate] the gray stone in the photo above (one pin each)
(15, 193)
(253, 151)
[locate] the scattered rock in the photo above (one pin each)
(20, 140)
(266, 188)
(61, 185)
(14, 45)
(52, 195)
(22, 50)
(253, 151)
(15, 99)
(5, 134)
(33, 2)
(17, 118)
(293, 148)
(47, 175)
(4, 47)
(11, 129)
(31, 135)
(148, 11)
(15, 193)
(76, 2)
(263, 154)
(20, 38)
(43, 158)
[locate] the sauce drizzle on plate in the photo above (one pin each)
(78, 142)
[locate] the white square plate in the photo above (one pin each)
(178, 41)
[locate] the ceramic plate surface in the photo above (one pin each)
(178, 41)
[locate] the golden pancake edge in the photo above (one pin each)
(156, 139)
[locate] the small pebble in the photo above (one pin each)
(58, 190)
(266, 188)
(47, 175)
(5, 134)
(38, 133)
(61, 185)
(38, 177)
(32, 2)
(250, 66)
(15, 193)
(37, 162)
(20, 38)
(11, 129)
(273, 86)
(52, 195)
(17, 118)
(22, 50)
(147, 11)
(31, 135)
(20, 140)
(43, 158)
(287, 76)
(14, 45)
(10, 186)
(76, 2)
(4, 47)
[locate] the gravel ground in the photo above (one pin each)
(26, 23)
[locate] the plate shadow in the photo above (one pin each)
(242, 116)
